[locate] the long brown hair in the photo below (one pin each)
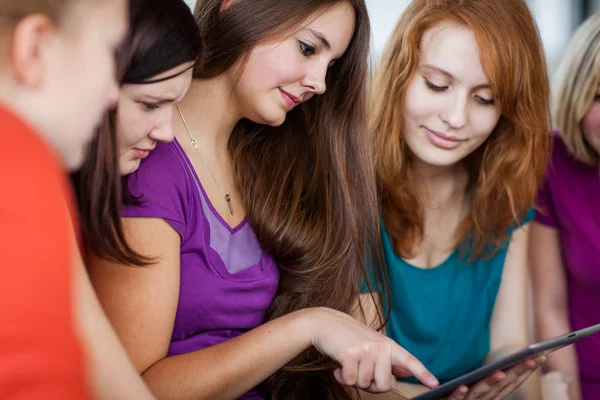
(308, 185)
(162, 36)
(507, 169)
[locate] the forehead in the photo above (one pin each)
(337, 24)
(453, 48)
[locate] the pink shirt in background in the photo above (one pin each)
(570, 202)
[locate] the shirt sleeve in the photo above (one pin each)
(161, 186)
(40, 354)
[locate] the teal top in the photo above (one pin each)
(442, 315)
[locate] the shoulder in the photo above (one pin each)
(164, 169)
(35, 205)
(561, 157)
(162, 184)
(29, 170)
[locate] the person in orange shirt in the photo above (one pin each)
(56, 80)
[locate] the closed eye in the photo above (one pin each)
(487, 102)
(435, 88)
(151, 106)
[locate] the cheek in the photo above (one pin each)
(100, 64)
(484, 122)
(270, 67)
(419, 104)
(131, 128)
(591, 122)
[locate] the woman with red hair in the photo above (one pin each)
(460, 120)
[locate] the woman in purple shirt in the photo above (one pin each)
(565, 238)
(269, 177)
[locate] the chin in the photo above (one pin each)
(436, 159)
(128, 167)
(74, 160)
(275, 117)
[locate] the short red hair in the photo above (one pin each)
(507, 169)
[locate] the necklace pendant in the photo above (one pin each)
(194, 143)
(228, 199)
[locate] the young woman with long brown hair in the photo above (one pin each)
(261, 179)
(460, 114)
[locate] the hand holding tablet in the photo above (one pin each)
(513, 367)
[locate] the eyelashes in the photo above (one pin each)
(480, 99)
(151, 106)
(435, 88)
(306, 49)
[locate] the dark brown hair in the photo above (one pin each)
(507, 169)
(308, 185)
(162, 36)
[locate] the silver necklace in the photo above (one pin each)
(194, 143)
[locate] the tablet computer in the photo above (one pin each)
(532, 351)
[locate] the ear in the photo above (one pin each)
(225, 4)
(27, 53)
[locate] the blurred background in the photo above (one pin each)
(557, 19)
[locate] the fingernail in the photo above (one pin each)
(463, 390)
(432, 382)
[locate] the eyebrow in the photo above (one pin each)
(452, 77)
(321, 37)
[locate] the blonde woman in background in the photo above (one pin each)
(565, 236)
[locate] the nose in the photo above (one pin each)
(314, 80)
(455, 114)
(163, 130)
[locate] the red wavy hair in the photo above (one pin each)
(507, 169)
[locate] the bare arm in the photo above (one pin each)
(550, 301)
(509, 330)
(141, 302)
(113, 376)
(509, 327)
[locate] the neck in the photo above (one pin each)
(442, 185)
(211, 112)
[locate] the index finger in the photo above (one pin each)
(404, 360)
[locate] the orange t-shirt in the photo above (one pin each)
(40, 354)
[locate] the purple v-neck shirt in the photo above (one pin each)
(226, 281)
(569, 202)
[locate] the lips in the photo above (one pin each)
(442, 140)
(291, 100)
(141, 153)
